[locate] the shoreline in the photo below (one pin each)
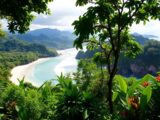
(19, 72)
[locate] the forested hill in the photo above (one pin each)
(10, 44)
(146, 62)
(15, 52)
(142, 39)
(51, 38)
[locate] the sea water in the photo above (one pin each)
(53, 67)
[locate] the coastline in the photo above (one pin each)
(20, 71)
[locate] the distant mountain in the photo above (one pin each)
(142, 39)
(145, 35)
(51, 38)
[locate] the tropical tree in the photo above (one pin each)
(19, 13)
(106, 24)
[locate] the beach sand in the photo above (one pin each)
(24, 70)
(21, 71)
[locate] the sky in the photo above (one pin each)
(64, 12)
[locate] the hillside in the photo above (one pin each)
(142, 39)
(10, 44)
(147, 62)
(15, 52)
(51, 38)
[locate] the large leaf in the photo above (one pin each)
(122, 83)
(143, 102)
(115, 94)
(148, 93)
(158, 84)
(146, 96)
(147, 77)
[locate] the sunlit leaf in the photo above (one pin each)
(122, 83)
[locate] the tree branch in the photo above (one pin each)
(131, 16)
(100, 26)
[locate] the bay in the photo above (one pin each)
(52, 67)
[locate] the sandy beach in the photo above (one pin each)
(19, 72)
(68, 59)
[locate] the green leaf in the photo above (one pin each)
(115, 94)
(122, 83)
(158, 84)
(146, 96)
(143, 102)
(85, 114)
(148, 93)
(147, 77)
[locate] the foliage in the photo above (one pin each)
(134, 100)
(27, 103)
(9, 44)
(146, 62)
(90, 53)
(106, 24)
(74, 103)
(19, 14)
(62, 101)
(15, 52)
(90, 77)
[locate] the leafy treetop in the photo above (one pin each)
(108, 22)
(19, 13)
(113, 16)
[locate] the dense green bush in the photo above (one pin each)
(136, 98)
(133, 98)
(83, 98)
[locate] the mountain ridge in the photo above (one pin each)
(52, 38)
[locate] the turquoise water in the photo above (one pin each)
(52, 67)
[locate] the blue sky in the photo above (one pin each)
(64, 12)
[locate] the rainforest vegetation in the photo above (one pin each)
(15, 52)
(146, 62)
(95, 91)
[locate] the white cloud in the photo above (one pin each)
(64, 12)
(151, 28)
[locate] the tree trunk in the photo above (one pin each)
(110, 94)
(110, 82)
